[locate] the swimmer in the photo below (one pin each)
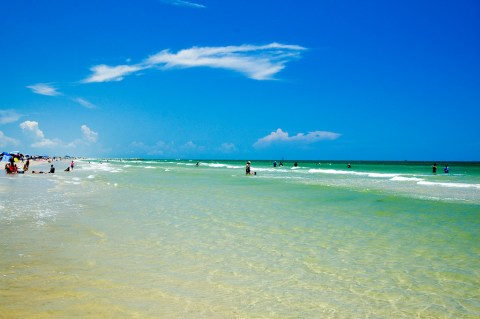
(247, 168)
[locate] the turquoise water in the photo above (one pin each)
(153, 239)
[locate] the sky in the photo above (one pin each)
(205, 79)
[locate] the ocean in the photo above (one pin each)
(169, 239)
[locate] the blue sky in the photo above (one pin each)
(375, 80)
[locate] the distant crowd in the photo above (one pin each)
(12, 168)
(248, 168)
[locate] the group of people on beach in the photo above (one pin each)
(11, 168)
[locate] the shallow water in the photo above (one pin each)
(149, 239)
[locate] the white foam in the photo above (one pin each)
(216, 165)
(149, 167)
(343, 172)
(106, 167)
(334, 171)
(406, 179)
(454, 185)
(72, 182)
(382, 175)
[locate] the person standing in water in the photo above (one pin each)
(71, 165)
(445, 170)
(247, 168)
(434, 168)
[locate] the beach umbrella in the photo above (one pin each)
(6, 157)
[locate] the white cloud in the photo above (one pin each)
(255, 62)
(184, 3)
(279, 136)
(105, 73)
(160, 148)
(190, 147)
(8, 116)
(46, 143)
(7, 141)
(228, 148)
(84, 103)
(31, 128)
(88, 134)
(44, 89)
(167, 148)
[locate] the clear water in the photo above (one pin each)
(167, 239)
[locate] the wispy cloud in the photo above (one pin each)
(47, 89)
(44, 89)
(279, 136)
(8, 116)
(84, 103)
(183, 3)
(255, 62)
(105, 73)
(6, 141)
